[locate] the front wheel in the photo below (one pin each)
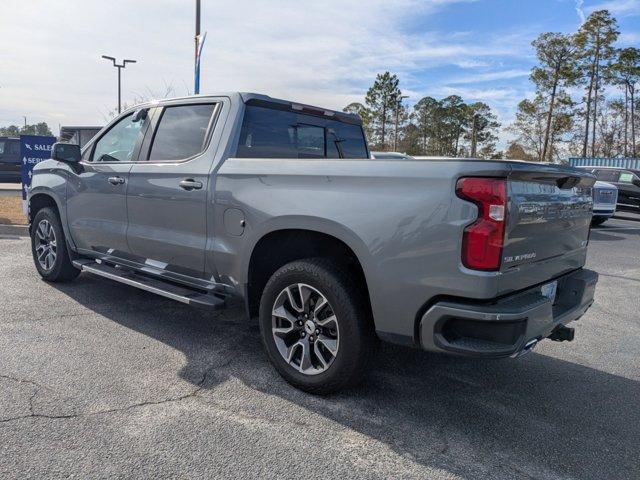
(315, 325)
(49, 248)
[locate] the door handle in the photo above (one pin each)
(116, 180)
(190, 184)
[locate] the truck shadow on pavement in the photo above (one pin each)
(535, 417)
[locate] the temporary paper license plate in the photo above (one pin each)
(549, 290)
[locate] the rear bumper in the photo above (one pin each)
(604, 211)
(509, 325)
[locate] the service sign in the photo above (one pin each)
(34, 149)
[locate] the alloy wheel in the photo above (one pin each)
(305, 328)
(45, 245)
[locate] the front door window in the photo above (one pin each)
(119, 143)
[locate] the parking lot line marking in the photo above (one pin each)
(619, 228)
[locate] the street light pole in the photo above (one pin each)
(119, 67)
(395, 132)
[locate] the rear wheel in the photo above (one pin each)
(49, 248)
(315, 326)
(597, 221)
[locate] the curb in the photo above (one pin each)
(19, 230)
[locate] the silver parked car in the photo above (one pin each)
(390, 156)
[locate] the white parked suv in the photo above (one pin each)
(605, 197)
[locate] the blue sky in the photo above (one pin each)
(324, 53)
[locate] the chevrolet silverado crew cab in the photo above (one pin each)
(207, 198)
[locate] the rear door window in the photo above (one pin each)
(271, 133)
(182, 132)
(2, 144)
(14, 148)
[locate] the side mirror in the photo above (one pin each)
(66, 152)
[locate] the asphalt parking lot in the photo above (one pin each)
(101, 380)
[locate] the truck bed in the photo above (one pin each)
(405, 223)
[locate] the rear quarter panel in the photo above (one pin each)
(402, 219)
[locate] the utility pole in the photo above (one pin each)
(395, 131)
(119, 67)
(25, 120)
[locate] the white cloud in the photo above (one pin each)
(490, 76)
(618, 7)
(629, 38)
(324, 53)
(470, 63)
(495, 96)
(580, 10)
(321, 52)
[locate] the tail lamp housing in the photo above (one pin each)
(483, 240)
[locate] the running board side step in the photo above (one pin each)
(157, 286)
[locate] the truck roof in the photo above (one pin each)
(258, 99)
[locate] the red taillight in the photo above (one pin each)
(483, 240)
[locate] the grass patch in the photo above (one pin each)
(11, 210)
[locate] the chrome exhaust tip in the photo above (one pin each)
(530, 345)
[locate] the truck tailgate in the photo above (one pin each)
(548, 216)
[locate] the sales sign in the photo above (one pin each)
(34, 149)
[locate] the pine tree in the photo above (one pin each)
(365, 115)
(482, 130)
(382, 99)
(529, 126)
(425, 113)
(626, 72)
(594, 42)
(557, 69)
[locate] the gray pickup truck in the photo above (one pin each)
(207, 198)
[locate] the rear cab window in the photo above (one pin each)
(273, 133)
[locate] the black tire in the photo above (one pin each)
(597, 221)
(61, 270)
(349, 305)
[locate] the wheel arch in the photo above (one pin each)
(38, 201)
(42, 198)
(279, 246)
